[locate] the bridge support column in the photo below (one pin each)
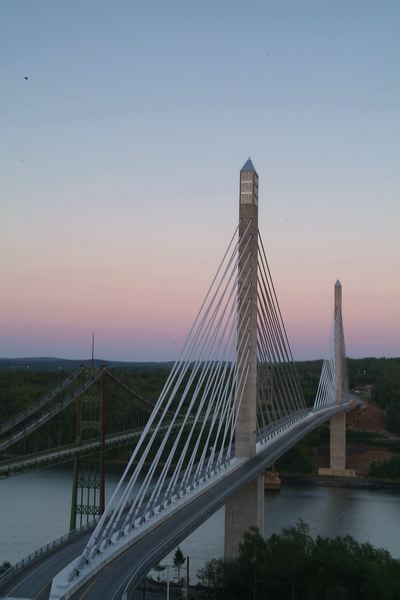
(246, 509)
(338, 442)
(243, 511)
(272, 481)
(337, 465)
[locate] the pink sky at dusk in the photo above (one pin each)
(119, 170)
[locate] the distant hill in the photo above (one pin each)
(46, 363)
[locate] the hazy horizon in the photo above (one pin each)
(161, 360)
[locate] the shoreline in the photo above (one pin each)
(362, 483)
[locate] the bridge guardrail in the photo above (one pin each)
(33, 556)
(67, 452)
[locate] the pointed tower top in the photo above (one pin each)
(248, 166)
(338, 284)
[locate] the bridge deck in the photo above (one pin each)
(129, 567)
(35, 581)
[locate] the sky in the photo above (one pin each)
(123, 127)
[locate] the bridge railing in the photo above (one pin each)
(67, 450)
(33, 556)
(65, 453)
(280, 425)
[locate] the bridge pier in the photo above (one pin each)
(244, 510)
(337, 466)
(272, 481)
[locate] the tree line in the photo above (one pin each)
(20, 388)
(294, 566)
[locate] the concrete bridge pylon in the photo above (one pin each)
(246, 508)
(337, 466)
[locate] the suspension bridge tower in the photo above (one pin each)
(246, 509)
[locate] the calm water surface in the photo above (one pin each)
(34, 509)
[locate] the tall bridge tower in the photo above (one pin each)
(231, 404)
(246, 508)
(337, 465)
(338, 423)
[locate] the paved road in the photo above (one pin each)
(129, 568)
(35, 581)
(124, 572)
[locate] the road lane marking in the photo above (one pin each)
(94, 581)
(49, 559)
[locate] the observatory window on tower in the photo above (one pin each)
(246, 198)
(247, 181)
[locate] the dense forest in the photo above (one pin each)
(22, 382)
(21, 387)
(294, 566)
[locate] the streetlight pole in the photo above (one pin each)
(187, 578)
(167, 582)
(166, 567)
(255, 575)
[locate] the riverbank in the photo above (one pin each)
(362, 483)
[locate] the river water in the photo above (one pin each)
(34, 509)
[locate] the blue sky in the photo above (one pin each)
(120, 156)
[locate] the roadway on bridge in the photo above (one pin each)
(64, 454)
(35, 581)
(130, 566)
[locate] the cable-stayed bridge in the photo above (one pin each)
(231, 406)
